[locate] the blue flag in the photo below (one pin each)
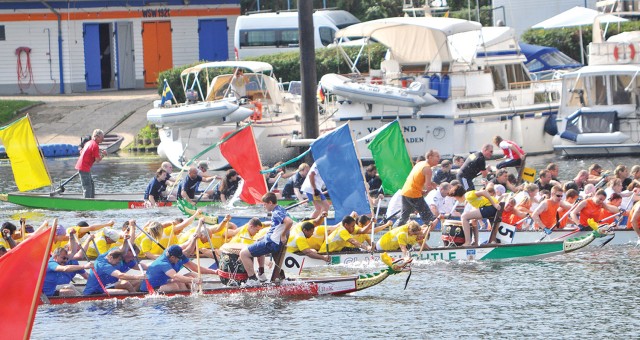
(339, 166)
(167, 94)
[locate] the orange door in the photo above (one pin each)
(156, 49)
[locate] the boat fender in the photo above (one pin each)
(257, 110)
(550, 125)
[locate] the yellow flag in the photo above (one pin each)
(26, 161)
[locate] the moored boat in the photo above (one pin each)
(192, 115)
(599, 112)
(476, 74)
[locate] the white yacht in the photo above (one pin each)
(599, 112)
(453, 85)
(274, 112)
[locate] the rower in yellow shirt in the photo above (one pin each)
(248, 232)
(362, 231)
(106, 239)
(400, 238)
(342, 238)
(298, 242)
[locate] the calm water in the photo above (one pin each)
(591, 294)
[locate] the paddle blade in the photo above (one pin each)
(149, 286)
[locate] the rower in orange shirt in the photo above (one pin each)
(590, 208)
(547, 213)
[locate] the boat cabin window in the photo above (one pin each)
(618, 94)
(269, 38)
(577, 93)
(600, 88)
(509, 76)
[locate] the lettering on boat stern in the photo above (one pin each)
(334, 287)
(509, 98)
(446, 256)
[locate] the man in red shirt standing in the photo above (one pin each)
(90, 154)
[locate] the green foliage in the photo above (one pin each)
(8, 109)
(567, 39)
(148, 132)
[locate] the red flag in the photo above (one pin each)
(241, 152)
(23, 269)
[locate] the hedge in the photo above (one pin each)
(286, 66)
(567, 39)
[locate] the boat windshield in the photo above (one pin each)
(601, 90)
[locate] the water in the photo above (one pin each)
(584, 294)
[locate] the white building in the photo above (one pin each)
(522, 14)
(85, 45)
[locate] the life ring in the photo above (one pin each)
(632, 52)
(257, 110)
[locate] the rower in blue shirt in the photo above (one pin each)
(61, 269)
(157, 185)
(111, 267)
(190, 185)
(163, 271)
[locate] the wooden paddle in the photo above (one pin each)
(198, 258)
(60, 189)
(146, 280)
(213, 251)
(84, 252)
(204, 192)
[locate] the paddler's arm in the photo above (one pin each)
(318, 221)
(516, 151)
(359, 245)
(194, 268)
(124, 276)
(405, 252)
(74, 267)
(177, 229)
(536, 215)
(428, 185)
(312, 253)
(94, 227)
(574, 213)
(7, 237)
(224, 223)
(611, 208)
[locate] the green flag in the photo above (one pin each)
(391, 156)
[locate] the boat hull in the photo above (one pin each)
(192, 115)
(75, 202)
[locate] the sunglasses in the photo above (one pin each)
(65, 258)
(559, 196)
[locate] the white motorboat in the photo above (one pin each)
(474, 82)
(415, 95)
(599, 112)
(275, 113)
(192, 115)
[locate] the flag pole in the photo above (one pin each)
(38, 290)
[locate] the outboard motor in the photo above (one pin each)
(192, 96)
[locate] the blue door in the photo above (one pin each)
(213, 39)
(91, 34)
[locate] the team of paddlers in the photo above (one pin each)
(434, 190)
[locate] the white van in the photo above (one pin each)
(269, 33)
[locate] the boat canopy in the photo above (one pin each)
(543, 58)
(415, 41)
(252, 66)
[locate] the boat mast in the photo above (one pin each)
(308, 76)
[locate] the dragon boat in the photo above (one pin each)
(301, 287)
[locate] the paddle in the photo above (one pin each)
(84, 252)
(60, 189)
(200, 223)
(146, 280)
(580, 229)
(547, 232)
(205, 191)
(275, 183)
(213, 251)
(373, 227)
(306, 200)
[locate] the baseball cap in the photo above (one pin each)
(175, 250)
(500, 190)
